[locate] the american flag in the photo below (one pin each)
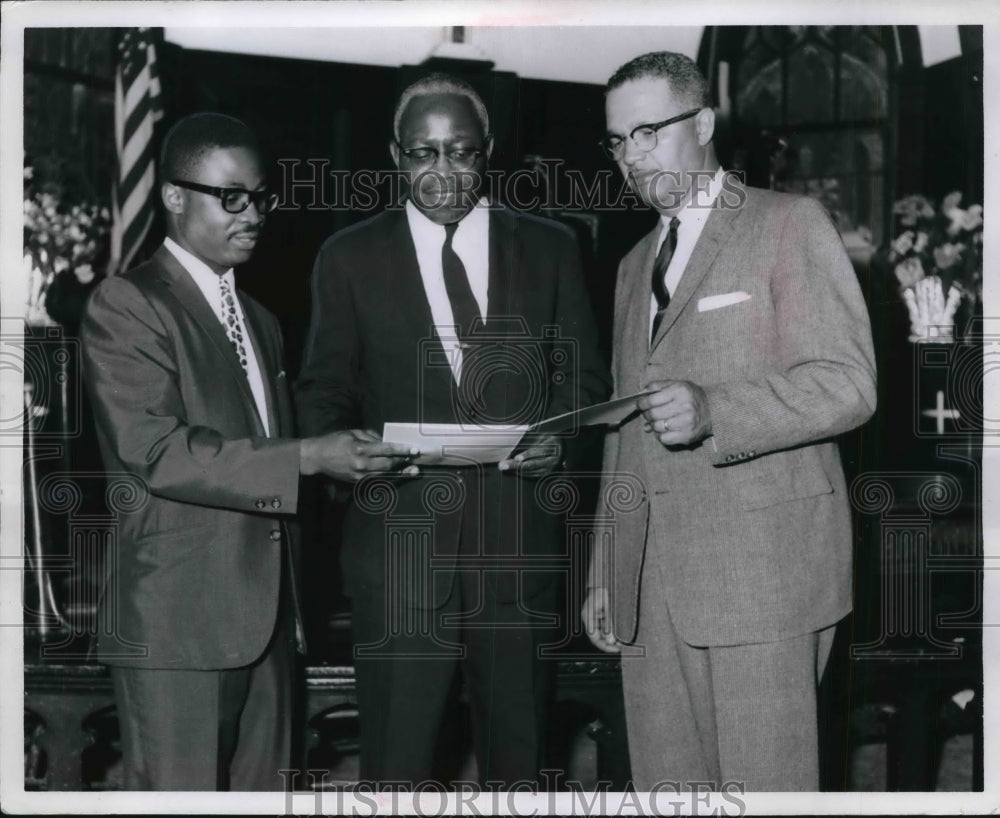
(137, 109)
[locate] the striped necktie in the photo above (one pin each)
(660, 292)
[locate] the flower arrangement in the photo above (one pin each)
(938, 260)
(61, 242)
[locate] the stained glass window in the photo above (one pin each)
(822, 91)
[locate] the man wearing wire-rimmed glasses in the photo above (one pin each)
(451, 310)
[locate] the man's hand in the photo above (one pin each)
(353, 454)
(541, 455)
(676, 412)
(597, 620)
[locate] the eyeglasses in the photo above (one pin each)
(458, 158)
(235, 199)
(642, 136)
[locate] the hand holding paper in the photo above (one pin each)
(536, 457)
(456, 444)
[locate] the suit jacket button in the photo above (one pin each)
(260, 504)
(276, 503)
(276, 535)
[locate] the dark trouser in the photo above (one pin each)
(206, 730)
(404, 688)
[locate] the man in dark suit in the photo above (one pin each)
(190, 396)
(741, 315)
(450, 310)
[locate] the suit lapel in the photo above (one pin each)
(265, 362)
(503, 250)
(713, 236)
(404, 288)
(191, 299)
(402, 279)
(635, 333)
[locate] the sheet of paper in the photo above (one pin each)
(452, 444)
(611, 412)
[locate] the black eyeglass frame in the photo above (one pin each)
(617, 150)
(477, 153)
(264, 201)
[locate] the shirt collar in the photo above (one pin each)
(205, 277)
(696, 209)
(423, 228)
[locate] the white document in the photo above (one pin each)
(609, 413)
(454, 444)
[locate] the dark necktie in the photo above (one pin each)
(660, 292)
(464, 308)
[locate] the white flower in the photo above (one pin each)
(973, 218)
(84, 273)
(909, 272)
(902, 245)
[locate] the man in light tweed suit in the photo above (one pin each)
(741, 314)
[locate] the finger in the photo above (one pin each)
(367, 435)
(663, 395)
(674, 438)
(379, 449)
(537, 453)
(657, 398)
(379, 464)
(667, 411)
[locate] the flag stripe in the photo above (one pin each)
(138, 151)
(137, 108)
(138, 197)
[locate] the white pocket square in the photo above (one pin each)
(714, 302)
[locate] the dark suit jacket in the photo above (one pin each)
(373, 357)
(194, 581)
(754, 522)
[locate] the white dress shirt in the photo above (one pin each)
(692, 217)
(208, 282)
(472, 245)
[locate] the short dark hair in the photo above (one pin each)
(440, 84)
(194, 136)
(684, 76)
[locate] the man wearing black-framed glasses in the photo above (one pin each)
(191, 404)
(451, 310)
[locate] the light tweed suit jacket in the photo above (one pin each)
(754, 521)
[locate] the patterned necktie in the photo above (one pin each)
(464, 308)
(231, 321)
(660, 292)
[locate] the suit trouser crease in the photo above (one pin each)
(742, 713)
(403, 694)
(204, 730)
